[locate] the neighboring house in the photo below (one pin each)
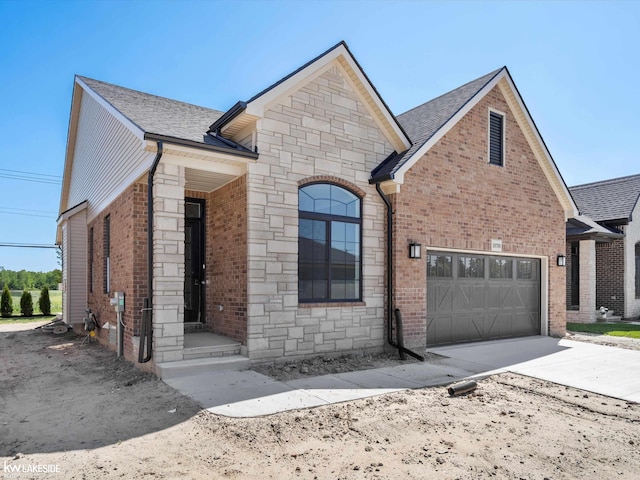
(284, 225)
(606, 268)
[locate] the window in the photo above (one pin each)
(496, 138)
(637, 270)
(500, 268)
(470, 267)
(439, 266)
(91, 260)
(107, 254)
(329, 246)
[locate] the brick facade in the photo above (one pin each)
(610, 276)
(128, 270)
(452, 198)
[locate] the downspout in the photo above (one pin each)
(146, 327)
(390, 311)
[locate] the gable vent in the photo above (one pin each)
(496, 138)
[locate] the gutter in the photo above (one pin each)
(202, 146)
(146, 327)
(390, 311)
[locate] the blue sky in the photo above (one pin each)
(575, 63)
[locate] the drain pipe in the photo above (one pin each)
(146, 327)
(390, 311)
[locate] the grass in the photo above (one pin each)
(611, 329)
(36, 318)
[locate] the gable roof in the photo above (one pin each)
(242, 114)
(423, 121)
(429, 122)
(610, 201)
(159, 116)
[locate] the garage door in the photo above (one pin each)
(481, 297)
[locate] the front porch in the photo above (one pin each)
(204, 351)
(587, 281)
(199, 261)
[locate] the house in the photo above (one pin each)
(603, 270)
(297, 222)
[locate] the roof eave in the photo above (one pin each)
(202, 146)
(228, 116)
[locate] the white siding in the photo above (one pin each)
(632, 236)
(107, 158)
(74, 274)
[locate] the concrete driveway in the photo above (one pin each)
(600, 369)
(595, 368)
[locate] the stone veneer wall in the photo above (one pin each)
(320, 130)
(168, 263)
(452, 198)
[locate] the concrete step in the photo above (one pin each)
(196, 366)
(208, 351)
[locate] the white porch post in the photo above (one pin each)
(168, 263)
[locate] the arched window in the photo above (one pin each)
(329, 244)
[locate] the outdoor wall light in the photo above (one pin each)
(414, 250)
(562, 260)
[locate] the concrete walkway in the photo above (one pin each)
(595, 368)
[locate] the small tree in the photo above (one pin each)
(26, 304)
(6, 303)
(44, 302)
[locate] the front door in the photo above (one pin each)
(194, 260)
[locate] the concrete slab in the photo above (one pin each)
(269, 404)
(587, 366)
(590, 367)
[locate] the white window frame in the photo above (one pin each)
(504, 136)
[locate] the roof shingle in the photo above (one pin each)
(423, 121)
(608, 200)
(159, 115)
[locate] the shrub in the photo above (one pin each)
(26, 304)
(44, 302)
(6, 303)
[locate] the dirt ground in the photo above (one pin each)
(69, 410)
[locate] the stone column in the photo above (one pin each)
(588, 281)
(168, 263)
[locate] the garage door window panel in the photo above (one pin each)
(470, 267)
(500, 268)
(439, 266)
(525, 270)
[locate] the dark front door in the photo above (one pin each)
(194, 261)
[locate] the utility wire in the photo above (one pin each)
(28, 213)
(27, 245)
(30, 176)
